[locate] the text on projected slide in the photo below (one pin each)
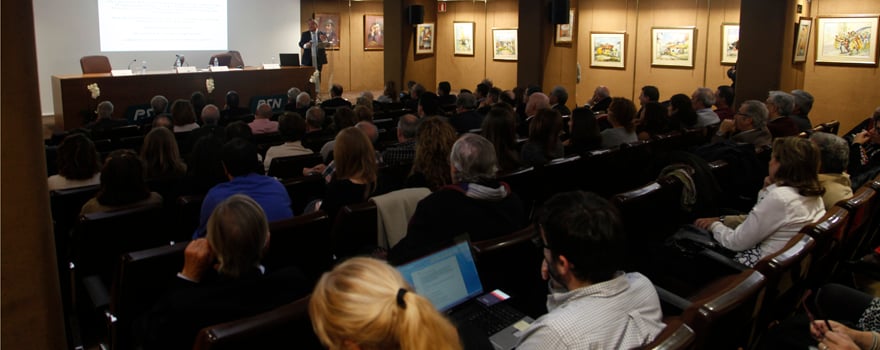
(162, 25)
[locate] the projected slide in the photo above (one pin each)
(162, 25)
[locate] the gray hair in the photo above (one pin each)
(803, 100)
(303, 99)
(783, 101)
(315, 117)
(105, 109)
(238, 233)
(834, 151)
(408, 126)
(473, 157)
(159, 104)
(705, 96)
(560, 93)
(292, 93)
(757, 111)
(210, 114)
(369, 129)
(466, 100)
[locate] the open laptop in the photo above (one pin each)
(289, 59)
(449, 279)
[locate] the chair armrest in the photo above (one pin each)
(672, 299)
(98, 292)
(724, 261)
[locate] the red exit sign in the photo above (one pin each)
(441, 6)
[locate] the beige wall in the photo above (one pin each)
(637, 19)
(846, 93)
(351, 66)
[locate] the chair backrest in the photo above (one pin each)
(510, 263)
(723, 312)
(95, 64)
(286, 327)
(652, 212)
(188, 210)
(116, 133)
(862, 207)
(676, 336)
(223, 59)
(141, 280)
(559, 175)
(303, 190)
(290, 167)
(355, 230)
(786, 272)
(829, 234)
(302, 241)
(525, 183)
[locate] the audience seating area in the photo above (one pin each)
(716, 303)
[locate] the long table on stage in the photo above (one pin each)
(74, 103)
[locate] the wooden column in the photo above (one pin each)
(394, 34)
(533, 20)
(761, 45)
(31, 301)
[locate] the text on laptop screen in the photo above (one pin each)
(447, 278)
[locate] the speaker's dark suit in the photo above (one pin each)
(307, 52)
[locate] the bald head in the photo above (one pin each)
(602, 91)
(537, 101)
(264, 111)
(369, 129)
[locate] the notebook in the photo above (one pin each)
(289, 59)
(449, 279)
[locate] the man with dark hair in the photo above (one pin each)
(482, 92)
(592, 303)
(493, 97)
(405, 150)
(650, 93)
(724, 102)
(444, 90)
(864, 151)
(239, 159)
(336, 99)
(232, 112)
(429, 105)
(292, 127)
(558, 98)
(466, 118)
(749, 125)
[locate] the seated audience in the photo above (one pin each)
(428, 105)
(158, 106)
(803, 103)
(444, 95)
(724, 102)
(315, 135)
(434, 140)
(600, 101)
(466, 117)
(210, 123)
(499, 127)
(702, 101)
(162, 121)
(621, 113)
(222, 279)
(263, 123)
(475, 204)
(363, 113)
(231, 111)
(834, 152)
(404, 152)
(204, 167)
(584, 135)
(790, 199)
(354, 171)
(558, 98)
(336, 99)
(303, 103)
(292, 95)
(364, 303)
(240, 162)
(78, 164)
(198, 101)
(161, 155)
(864, 152)
(292, 127)
(342, 119)
(543, 144)
(389, 94)
(779, 107)
(104, 118)
(122, 185)
(649, 94)
(652, 121)
(681, 112)
(592, 304)
(536, 102)
(747, 126)
(183, 116)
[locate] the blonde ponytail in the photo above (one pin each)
(366, 301)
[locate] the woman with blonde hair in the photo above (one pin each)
(354, 177)
(790, 199)
(365, 303)
(161, 155)
(434, 140)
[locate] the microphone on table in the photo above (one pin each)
(132, 62)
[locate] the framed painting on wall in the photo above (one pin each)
(504, 44)
(374, 32)
(328, 26)
(729, 43)
(847, 40)
(564, 32)
(424, 38)
(673, 46)
(463, 34)
(802, 39)
(607, 49)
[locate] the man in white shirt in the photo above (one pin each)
(592, 304)
(292, 127)
(702, 100)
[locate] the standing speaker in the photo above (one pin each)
(416, 14)
(559, 12)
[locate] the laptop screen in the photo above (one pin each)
(289, 59)
(447, 278)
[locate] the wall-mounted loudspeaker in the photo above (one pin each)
(559, 12)
(416, 14)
